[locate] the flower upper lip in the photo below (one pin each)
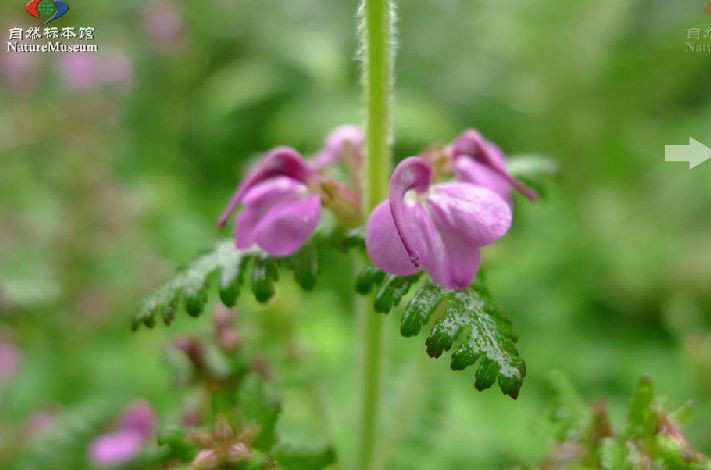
(280, 161)
(471, 145)
(440, 230)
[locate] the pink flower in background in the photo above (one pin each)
(82, 71)
(40, 422)
(480, 162)
(342, 139)
(280, 213)
(163, 22)
(18, 72)
(437, 228)
(116, 68)
(79, 71)
(9, 360)
(137, 427)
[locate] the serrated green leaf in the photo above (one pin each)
(195, 298)
(169, 309)
(305, 264)
(263, 276)
(392, 291)
(486, 336)
(641, 417)
(368, 278)
(259, 408)
(230, 265)
(231, 280)
(303, 458)
(190, 284)
(420, 308)
(355, 238)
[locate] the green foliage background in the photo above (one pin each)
(103, 193)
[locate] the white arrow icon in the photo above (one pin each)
(695, 153)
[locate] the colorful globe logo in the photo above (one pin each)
(46, 8)
(49, 10)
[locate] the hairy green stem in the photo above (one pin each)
(376, 30)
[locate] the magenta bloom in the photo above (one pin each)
(84, 72)
(341, 139)
(437, 228)
(163, 22)
(18, 72)
(280, 213)
(9, 360)
(478, 161)
(137, 427)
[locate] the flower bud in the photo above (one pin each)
(206, 459)
(238, 452)
(339, 199)
(223, 431)
(200, 439)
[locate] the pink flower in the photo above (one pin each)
(162, 21)
(137, 427)
(9, 360)
(116, 68)
(437, 228)
(18, 71)
(280, 213)
(79, 71)
(341, 140)
(83, 71)
(478, 161)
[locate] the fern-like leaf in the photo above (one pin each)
(470, 319)
(231, 266)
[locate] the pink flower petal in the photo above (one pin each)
(9, 359)
(440, 228)
(471, 145)
(139, 417)
(470, 171)
(335, 146)
(478, 214)
(384, 246)
(280, 161)
(115, 448)
(279, 216)
(412, 174)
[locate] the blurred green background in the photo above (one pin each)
(114, 167)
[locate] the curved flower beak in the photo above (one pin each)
(485, 165)
(413, 173)
(439, 228)
(280, 161)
